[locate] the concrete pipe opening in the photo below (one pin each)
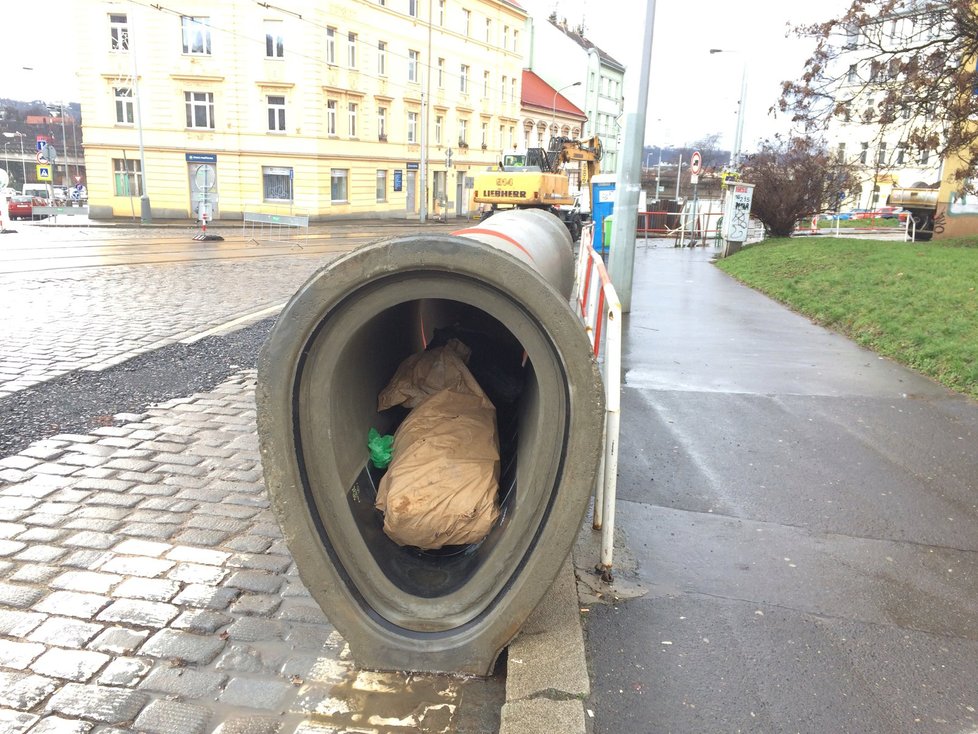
(335, 346)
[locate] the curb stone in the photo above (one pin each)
(547, 677)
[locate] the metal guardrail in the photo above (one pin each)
(275, 227)
(597, 302)
(59, 211)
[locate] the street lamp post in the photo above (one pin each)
(739, 132)
(64, 142)
(553, 109)
(23, 164)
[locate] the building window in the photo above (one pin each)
(516, 40)
(331, 117)
(901, 154)
(276, 183)
(123, 105)
(413, 8)
(276, 114)
(463, 133)
(412, 127)
(337, 185)
(485, 85)
(119, 32)
(441, 73)
(485, 135)
(381, 58)
(851, 76)
(439, 124)
(439, 186)
(196, 35)
(200, 109)
(413, 58)
(381, 186)
(274, 40)
(502, 89)
(512, 89)
(852, 37)
(877, 72)
(841, 154)
(466, 21)
(382, 123)
(488, 30)
(863, 153)
(505, 37)
(463, 79)
(441, 12)
(128, 181)
(512, 136)
(352, 50)
(351, 112)
(881, 155)
(924, 157)
(331, 46)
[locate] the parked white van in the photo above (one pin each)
(38, 189)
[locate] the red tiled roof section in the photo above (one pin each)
(537, 93)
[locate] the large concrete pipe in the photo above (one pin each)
(335, 346)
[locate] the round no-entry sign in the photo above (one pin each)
(696, 163)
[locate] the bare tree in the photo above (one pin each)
(905, 66)
(794, 179)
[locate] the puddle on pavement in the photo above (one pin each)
(337, 696)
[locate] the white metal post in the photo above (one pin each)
(612, 386)
(145, 211)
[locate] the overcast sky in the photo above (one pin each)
(692, 93)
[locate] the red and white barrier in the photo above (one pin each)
(597, 303)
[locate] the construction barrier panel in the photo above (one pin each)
(505, 282)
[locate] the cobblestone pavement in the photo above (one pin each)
(145, 586)
(59, 321)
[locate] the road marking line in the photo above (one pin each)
(230, 325)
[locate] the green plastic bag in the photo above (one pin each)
(381, 448)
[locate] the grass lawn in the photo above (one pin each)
(914, 302)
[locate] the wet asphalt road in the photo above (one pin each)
(803, 516)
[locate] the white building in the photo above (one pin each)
(587, 76)
(874, 120)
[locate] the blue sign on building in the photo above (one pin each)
(412, 166)
(201, 158)
(398, 179)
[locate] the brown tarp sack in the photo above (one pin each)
(426, 373)
(441, 486)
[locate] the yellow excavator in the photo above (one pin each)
(539, 179)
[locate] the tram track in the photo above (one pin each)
(42, 250)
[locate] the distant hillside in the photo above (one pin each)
(17, 110)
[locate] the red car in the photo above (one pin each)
(22, 207)
(883, 212)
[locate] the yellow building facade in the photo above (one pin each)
(344, 108)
